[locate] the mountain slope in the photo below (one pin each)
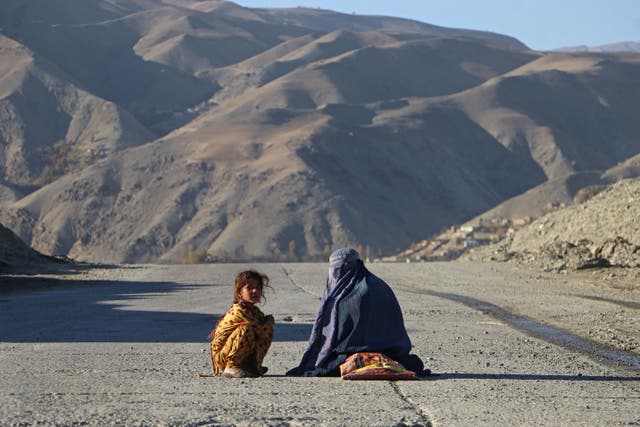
(424, 68)
(15, 253)
(259, 188)
(286, 133)
(328, 21)
(568, 87)
(604, 231)
(100, 58)
(244, 183)
(607, 215)
(50, 126)
(611, 47)
(569, 112)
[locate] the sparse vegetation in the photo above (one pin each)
(59, 159)
(194, 256)
(587, 193)
(293, 256)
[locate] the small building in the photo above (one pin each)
(483, 236)
(471, 244)
(521, 222)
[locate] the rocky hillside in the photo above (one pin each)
(602, 231)
(279, 134)
(15, 253)
(49, 125)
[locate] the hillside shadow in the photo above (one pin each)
(28, 277)
(34, 310)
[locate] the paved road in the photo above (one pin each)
(122, 347)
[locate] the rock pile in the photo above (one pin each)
(602, 232)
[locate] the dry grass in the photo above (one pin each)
(194, 256)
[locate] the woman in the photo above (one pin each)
(358, 313)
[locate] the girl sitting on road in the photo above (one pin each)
(242, 337)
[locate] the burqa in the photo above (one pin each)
(358, 312)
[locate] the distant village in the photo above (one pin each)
(458, 239)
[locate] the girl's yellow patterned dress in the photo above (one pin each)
(241, 339)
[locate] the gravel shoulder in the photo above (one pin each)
(122, 346)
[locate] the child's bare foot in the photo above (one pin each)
(230, 372)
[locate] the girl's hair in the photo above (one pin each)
(242, 279)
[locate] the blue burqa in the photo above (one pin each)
(358, 312)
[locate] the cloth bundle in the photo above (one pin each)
(374, 366)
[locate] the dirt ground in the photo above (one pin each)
(508, 345)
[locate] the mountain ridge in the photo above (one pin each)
(312, 137)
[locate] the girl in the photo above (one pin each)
(242, 337)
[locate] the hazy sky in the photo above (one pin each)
(540, 24)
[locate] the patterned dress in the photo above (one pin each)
(241, 339)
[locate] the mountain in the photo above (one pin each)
(561, 191)
(15, 253)
(549, 96)
(611, 47)
(49, 125)
(328, 21)
(280, 134)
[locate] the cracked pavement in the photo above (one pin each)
(123, 345)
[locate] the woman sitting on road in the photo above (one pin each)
(358, 313)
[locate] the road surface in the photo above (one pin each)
(509, 346)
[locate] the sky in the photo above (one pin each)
(540, 24)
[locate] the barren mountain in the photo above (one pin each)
(566, 112)
(100, 56)
(48, 125)
(288, 56)
(571, 112)
(562, 191)
(611, 47)
(329, 21)
(263, 170)
(15, 253)
(288, 132)
(538, 200)
(161, 46)
(424, 68)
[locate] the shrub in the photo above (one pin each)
(192, 256)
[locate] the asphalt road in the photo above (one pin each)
(122, 346)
